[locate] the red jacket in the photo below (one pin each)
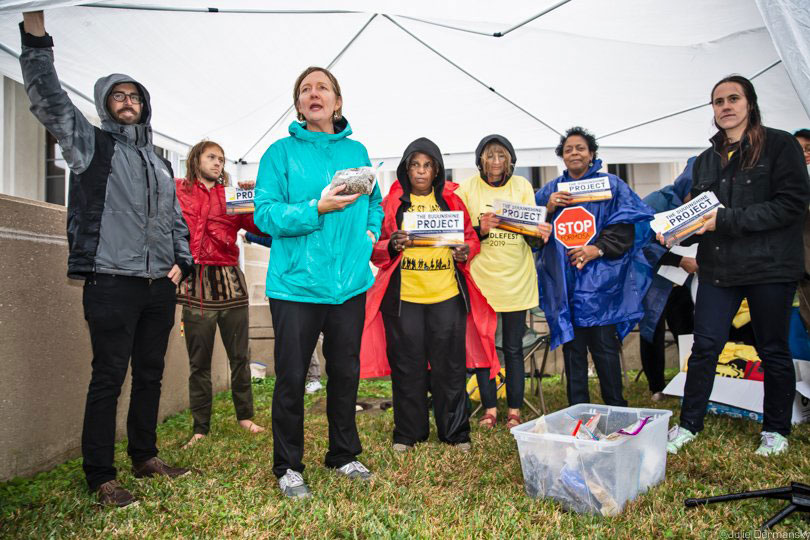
(213, 232)
(481, 320)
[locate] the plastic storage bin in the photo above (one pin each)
(590, 476)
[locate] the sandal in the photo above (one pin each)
(488, 421)
(512, 421)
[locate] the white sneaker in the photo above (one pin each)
(355, 469)
(678, 437)
(313, 386)
(772, 444)
(293, 486)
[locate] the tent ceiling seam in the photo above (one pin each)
(470, 75)
(683, 111)
(331, 64)
(319, 12)
(221, 10)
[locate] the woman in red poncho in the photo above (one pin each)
(424, 313)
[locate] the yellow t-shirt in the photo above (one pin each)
(428, 275)
(504, 270)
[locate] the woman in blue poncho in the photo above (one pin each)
(592, 294)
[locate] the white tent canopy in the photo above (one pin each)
(607, 66)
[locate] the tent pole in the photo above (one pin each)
(473, 77)
(682, 111)
(331, 64)
(220, 10)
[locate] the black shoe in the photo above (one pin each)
(112, 494)
(157, 466)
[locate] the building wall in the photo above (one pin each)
(23, 149)
(45, 346)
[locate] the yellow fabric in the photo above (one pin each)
(726, 365)
(743, 316)
(428, 274)
(475, 394)
(504, 270)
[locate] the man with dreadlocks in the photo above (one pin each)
(216, 293)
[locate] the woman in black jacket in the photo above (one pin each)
(751, 248)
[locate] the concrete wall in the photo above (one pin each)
(45, 346)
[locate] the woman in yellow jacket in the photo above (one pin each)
(504, 270)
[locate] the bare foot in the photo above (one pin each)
(197, 437)
(250, 426)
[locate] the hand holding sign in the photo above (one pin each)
(488, 222)
(559, 199)
(710, 222)
(461, 253)
(400, 240)
(581, 256)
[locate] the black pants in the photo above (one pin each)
(128, 317)
(603, 343)
(513, 328)
(422, 334)
(679, 316)
(297, 326)
(769, 306)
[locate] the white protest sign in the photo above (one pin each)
(434, 229)
(593, 189)
(238, 200)
(519, 218)
(679, 224)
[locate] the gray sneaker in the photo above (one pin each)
(399, 447)
(293, 486)
(463, 447)
(355, 469)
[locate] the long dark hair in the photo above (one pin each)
(755, 131)
(193, 163)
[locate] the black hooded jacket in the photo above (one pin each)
(391, 301)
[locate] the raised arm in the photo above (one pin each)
(49, 102)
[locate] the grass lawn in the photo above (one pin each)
(434, 491)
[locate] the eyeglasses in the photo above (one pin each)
(416, 165)
(120, 97)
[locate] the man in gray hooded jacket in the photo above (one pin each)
(128, 241)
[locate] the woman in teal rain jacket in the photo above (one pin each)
(318, 273)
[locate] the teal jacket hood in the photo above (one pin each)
(316, 258)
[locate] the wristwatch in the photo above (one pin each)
(601, 253)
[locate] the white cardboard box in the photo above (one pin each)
(745, 394)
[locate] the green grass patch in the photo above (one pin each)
(433, 491)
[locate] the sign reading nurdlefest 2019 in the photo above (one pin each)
(679, 224)
(434, 229)
(574, 227)
(519, 218)
(238, 201)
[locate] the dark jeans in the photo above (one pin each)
(513, 327)
(603, 344)
(422, 334)
(679, 316)
(201, 329)
(769, 306)
(297, 326)
(127, 317)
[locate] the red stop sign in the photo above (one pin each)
(574, 227)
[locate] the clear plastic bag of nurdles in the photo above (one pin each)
(357, 180)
